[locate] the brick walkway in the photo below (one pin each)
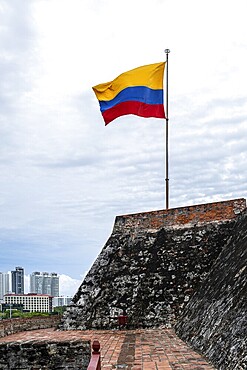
(153, 349)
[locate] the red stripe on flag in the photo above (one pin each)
(134, 107)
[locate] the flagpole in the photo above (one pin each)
(167, 51)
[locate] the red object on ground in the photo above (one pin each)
(122, 320)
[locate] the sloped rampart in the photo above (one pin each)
(151, 265)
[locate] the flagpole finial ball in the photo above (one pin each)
(167, 51)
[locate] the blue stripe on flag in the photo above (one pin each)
(135, 93)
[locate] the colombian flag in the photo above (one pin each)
(138, 91)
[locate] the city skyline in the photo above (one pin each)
(67, 286)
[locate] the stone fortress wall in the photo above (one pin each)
(151, 265)
(215, 320)
(183, 267)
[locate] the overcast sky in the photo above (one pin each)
(64, 175)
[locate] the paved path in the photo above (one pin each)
(152, 349)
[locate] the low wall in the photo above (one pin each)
(184, 216)
(45, 355)
(13, 326)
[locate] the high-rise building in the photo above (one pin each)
(44, 283)
(17, 278)
(54, 284)
(4, 284)
(36, 282)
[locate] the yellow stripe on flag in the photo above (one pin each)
(150, 75)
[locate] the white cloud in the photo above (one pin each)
(68, 285)
(64, 176)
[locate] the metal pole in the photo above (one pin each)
(167, 51)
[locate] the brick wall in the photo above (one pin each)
(12, 326)
(191, 215)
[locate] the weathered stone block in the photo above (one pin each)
(31, 355)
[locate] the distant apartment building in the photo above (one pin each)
(44, 283)
(31, 302)
(4, 284)
(17, 278)
(61, 301)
